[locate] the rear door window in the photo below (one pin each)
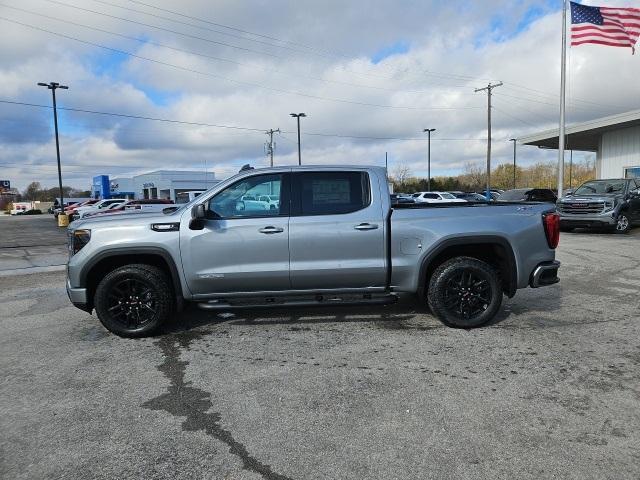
(330, 193)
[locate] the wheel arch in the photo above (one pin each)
(108, 260)
(493, 249)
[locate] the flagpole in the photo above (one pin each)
(563, 84)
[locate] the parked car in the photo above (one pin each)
(528, 195)
(135, 206)
(396, 199)
(331, 241)
(470, 196)
(71, 210)
(492, 193)
(612, 203)
(436, 197)
(101, 205)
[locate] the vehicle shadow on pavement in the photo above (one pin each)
(393, 317)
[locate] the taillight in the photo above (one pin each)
(551, 222)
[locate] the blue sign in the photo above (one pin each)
(5, 185)
(101, 187)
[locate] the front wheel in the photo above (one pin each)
(465, 292)
(622, 224)
(134, 300)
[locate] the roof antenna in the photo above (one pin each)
(246, 167)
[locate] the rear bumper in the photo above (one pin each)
(545, 273)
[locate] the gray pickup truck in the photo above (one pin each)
(328, 236)
(612, 203)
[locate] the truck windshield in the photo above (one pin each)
(600, 187)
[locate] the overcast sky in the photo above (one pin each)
(357, 69)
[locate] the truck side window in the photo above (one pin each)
(242, 199)
(331, 193)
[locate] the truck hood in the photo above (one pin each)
(110, 220)
(591, 198)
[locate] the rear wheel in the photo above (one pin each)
(465, 292)
(134, 300)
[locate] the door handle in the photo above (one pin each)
(366, 226)
(270, 229)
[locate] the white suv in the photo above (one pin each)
(436, 197)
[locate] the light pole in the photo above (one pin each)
(429, 130)
(297, 116)
(53, 86)
(514, 140)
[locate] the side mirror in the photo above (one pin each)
(198, 212)
(197, 217)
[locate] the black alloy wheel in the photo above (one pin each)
(132, 303)
(134, 300)
(465, 292)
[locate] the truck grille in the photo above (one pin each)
(578, 208)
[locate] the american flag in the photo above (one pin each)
(616, 27)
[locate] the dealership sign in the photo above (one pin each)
(5, 185)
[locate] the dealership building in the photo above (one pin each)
(166, 184)
(614, 139)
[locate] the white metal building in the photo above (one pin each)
(614, 139)
(159, 184)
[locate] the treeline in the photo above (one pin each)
(473, 178)
(35, 191)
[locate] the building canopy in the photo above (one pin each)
(583, 136)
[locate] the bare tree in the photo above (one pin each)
(401, 173)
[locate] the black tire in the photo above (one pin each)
(134, 300)
(464, 292)
(623, 224)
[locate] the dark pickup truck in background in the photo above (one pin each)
(612, 203)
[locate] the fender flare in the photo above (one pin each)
(134, 251)
(512, 280)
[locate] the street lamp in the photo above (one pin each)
(297, 116)
(429, 130)
(514, 140)
(53, 86)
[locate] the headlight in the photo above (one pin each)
(79, 238)
(609, 205)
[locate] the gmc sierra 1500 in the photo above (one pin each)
(331, 237)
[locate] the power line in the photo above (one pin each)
(210, 57)
(233, 127)
(193, 36)
(240, 82)
(312, 49)
(513, 117)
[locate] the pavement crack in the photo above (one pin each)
(184, 400)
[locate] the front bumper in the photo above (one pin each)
(78, 297)
(544, 274)
(588, 220)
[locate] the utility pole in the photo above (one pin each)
(514, 140)
(489, 88)
(297, 116)
(270, 146)
(53, 86)
(386, 165)
(429, 130)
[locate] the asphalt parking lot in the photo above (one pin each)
(550, 390)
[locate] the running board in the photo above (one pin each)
(316, 301)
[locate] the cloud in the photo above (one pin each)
(336, 61)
